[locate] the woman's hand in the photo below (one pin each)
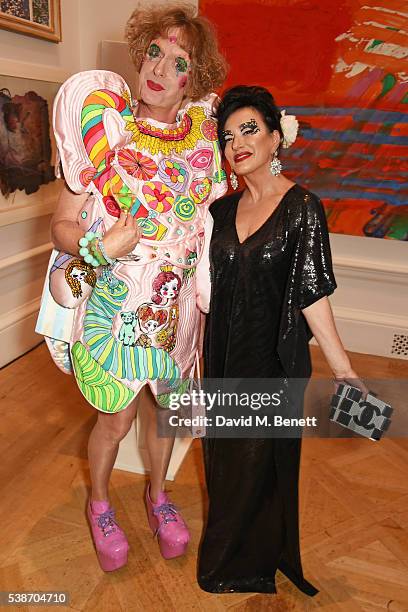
(350, 377)
(122, 237)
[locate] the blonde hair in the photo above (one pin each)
(75, 284)
(208, 66)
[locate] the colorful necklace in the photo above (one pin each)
(165, 140)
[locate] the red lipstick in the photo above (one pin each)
(154, 86)
(239, 157)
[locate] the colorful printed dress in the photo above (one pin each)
(136, 322)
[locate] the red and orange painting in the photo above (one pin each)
(341, 67)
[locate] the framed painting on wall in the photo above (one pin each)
(28, 185)
(39, 18)
(340, 67)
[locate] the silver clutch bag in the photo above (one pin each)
(368, 417)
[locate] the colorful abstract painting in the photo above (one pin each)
(342, 67)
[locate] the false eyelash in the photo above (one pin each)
(251, 125)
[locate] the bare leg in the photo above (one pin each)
(103, 447)
(159, 449)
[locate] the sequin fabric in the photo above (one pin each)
(260, 286)
(256, 329)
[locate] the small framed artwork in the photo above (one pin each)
(28, 184)
(39, 18)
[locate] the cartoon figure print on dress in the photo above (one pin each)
(119, 327)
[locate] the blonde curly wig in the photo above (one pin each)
(208, 66)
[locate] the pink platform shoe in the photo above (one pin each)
(168, 525)
(109, 539)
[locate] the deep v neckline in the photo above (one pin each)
(266, 220)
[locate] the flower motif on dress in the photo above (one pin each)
(136, 164)
(174, 174)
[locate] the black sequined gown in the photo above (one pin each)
(255, 329)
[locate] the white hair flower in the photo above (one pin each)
(290, 126)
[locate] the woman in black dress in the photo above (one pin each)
(271, 272)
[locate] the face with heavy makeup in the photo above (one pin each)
(249, 144)
(164, 72)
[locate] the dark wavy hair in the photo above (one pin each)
(244, 96)
(208, 65)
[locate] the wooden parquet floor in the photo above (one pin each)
(353, 495)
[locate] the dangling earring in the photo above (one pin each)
(276, 165)
(234, 181)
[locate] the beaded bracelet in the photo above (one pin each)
(101, 247)
(96, 252)
(85, 252)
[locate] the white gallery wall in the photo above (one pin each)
(371, 302)
(62, 56)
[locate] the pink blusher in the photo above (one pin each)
(183, 82)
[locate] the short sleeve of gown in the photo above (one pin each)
(312, 272)
(311, 278)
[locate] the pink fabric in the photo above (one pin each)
(152, 299)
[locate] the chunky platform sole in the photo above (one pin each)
(108, 563)
(168, 551)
